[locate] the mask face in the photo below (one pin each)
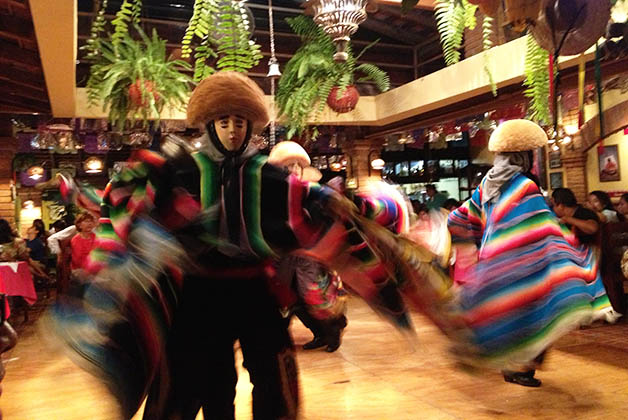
(231, 131)
(294, 168)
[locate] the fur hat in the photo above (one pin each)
(228, 93)
(286, 150)
(289, 150)
(517, 136)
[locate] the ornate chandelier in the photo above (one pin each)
(339, 19)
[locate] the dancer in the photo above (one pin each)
(181, 266)
(532, 282)
(320, 304)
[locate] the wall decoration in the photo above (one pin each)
(608, 160)
(556, 180)
(554, 160)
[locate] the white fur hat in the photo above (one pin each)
(285, 151)
(517, 136)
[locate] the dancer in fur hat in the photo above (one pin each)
(319, 302)
(182, 264)
(533, 282)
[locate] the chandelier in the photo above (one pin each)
(339, 19)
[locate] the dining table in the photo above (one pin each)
(17, 280)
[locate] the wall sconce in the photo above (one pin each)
(93, 165)
(376, 163)
(28, 205)
(35, 172)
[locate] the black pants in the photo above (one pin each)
(200, 369)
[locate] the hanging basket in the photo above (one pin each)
(346, 102)
(521, 13)
(135, 93)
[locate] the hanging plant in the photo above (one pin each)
(135, 80)
(312, 78)
(129, 13)
(537, 80)
(452, 17)
(222, 29)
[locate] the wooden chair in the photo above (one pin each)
(614, 243)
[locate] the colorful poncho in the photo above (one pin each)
(533, 282)
(162, 217)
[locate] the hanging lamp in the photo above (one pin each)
(339, 19)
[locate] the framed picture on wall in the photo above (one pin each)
(554, 160)
(556, 180)
(608, 160)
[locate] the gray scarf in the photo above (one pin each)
(505, 166)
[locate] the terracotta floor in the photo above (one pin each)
(374, 375)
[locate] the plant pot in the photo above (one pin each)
(135, 93)
(521, 13)
(346, 102)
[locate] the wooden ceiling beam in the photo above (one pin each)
(389, 31)
(18, 54)
(413, 16)
(26, 92)
(257, 31)
(25, 103)
(12, 62)
(17, 27)
(18, 75)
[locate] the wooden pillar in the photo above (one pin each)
(359, 154)
(575, 162)
(8, 148)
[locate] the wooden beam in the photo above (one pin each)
(256, 32)
(389, 31)
(34, 80)
(55, 25)
(17, 54)
(16, 27)
(17, 100)
(25, 92)
(414, 17)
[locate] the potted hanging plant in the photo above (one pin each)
(134, 79)
(312, 78)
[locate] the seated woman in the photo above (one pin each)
(12, 248)
(600, 203)
(622, 206)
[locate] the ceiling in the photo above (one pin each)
(401, 36)
(22, 85)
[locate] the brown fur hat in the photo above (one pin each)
(228, 93)
(517, 136)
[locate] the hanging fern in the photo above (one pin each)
(487, 44)
(312, 73)
(452, 17)
(141, 66)
(537, 81)
(222, 28)
(92, 46)
(129, 13)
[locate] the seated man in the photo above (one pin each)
(582, 221)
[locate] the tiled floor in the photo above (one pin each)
(375, 375)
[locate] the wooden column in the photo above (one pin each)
(359, 154)
(8, 148)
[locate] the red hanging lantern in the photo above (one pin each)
(346, 102)
(135, 92)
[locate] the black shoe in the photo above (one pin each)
(522, 378)
(316, 343)
(335, 334)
